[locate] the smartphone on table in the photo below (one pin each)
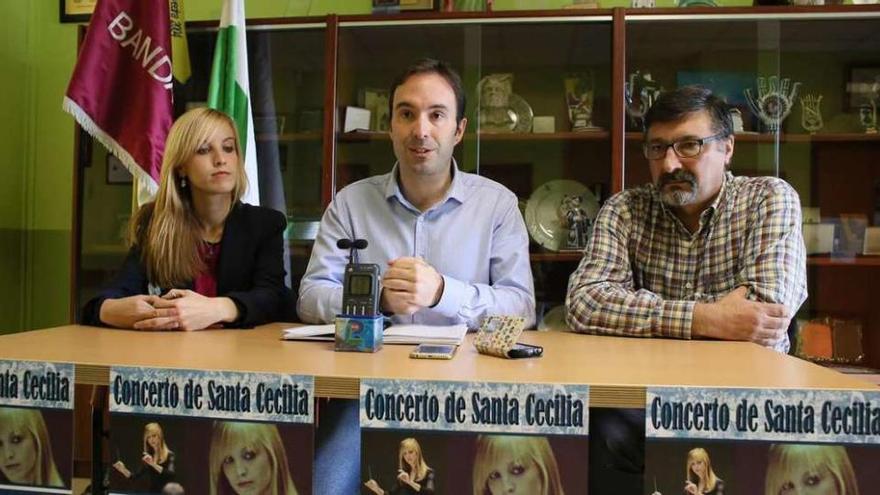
(520, 350)
(433, 351)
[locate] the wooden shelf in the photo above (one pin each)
(858, 260)
(358, 136)
(291, 136)
(601, 135)
(560, 256)
(361, 136)
(844, 137)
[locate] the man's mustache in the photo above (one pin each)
(679, 175)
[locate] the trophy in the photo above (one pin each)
(736, 117)
(868, 116)
(579, 96)
(575, 219)
(774, 100)
(811, 115)
(640, 92)
(502, 110)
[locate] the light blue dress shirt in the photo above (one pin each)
(475, 237)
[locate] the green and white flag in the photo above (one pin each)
(229, 90)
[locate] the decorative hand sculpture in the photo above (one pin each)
(774, 100)
(811, 118)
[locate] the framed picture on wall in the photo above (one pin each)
(116, 171)
(76, 10)
(395, 6)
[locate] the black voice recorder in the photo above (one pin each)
(360, 287)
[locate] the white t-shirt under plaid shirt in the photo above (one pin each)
(643, 271)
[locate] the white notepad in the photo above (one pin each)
(395, 334)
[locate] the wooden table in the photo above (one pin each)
(617, 369)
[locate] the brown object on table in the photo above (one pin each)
(847, 339)
(816, 341)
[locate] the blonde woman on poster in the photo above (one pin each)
(515, 465)
(802, 469)
(248, 459)
(700, 478)
(25, 450)
(413, 474)
(157, 460)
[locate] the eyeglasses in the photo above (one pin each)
(686, 148)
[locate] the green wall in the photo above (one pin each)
(12, 101)
(35, 193)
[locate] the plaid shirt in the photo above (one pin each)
(643, 271)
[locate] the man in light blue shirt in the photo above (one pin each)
(452, 246)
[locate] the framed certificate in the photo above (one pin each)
(76, 10)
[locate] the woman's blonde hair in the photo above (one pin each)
(256, 436)
(160, 455)
(421, 467)
(31, 422)
(786, 458)
(699, 454)
(168, 230)
(525, 449)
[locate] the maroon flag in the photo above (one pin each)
(121, 88)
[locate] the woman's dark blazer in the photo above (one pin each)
(250, 270)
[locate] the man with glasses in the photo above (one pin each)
(698, 253)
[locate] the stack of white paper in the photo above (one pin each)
(395, 334)
(309, 332)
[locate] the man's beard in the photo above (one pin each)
(677, 196)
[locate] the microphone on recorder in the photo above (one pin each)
(352, 245)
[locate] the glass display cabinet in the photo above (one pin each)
(554, 104)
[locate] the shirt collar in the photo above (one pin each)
(456, 190)
(721, 199)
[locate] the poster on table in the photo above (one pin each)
(210, 432)
(36, 427)
(756, 441)
(473, 437)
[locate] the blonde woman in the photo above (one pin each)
(248, 459)
(805, 469)
(413, 474)
(25, 450)
(157, 459)
(199, 257)
(515, 465)
(700, 477)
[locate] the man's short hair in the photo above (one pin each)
(432, 66)
(677, 104)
